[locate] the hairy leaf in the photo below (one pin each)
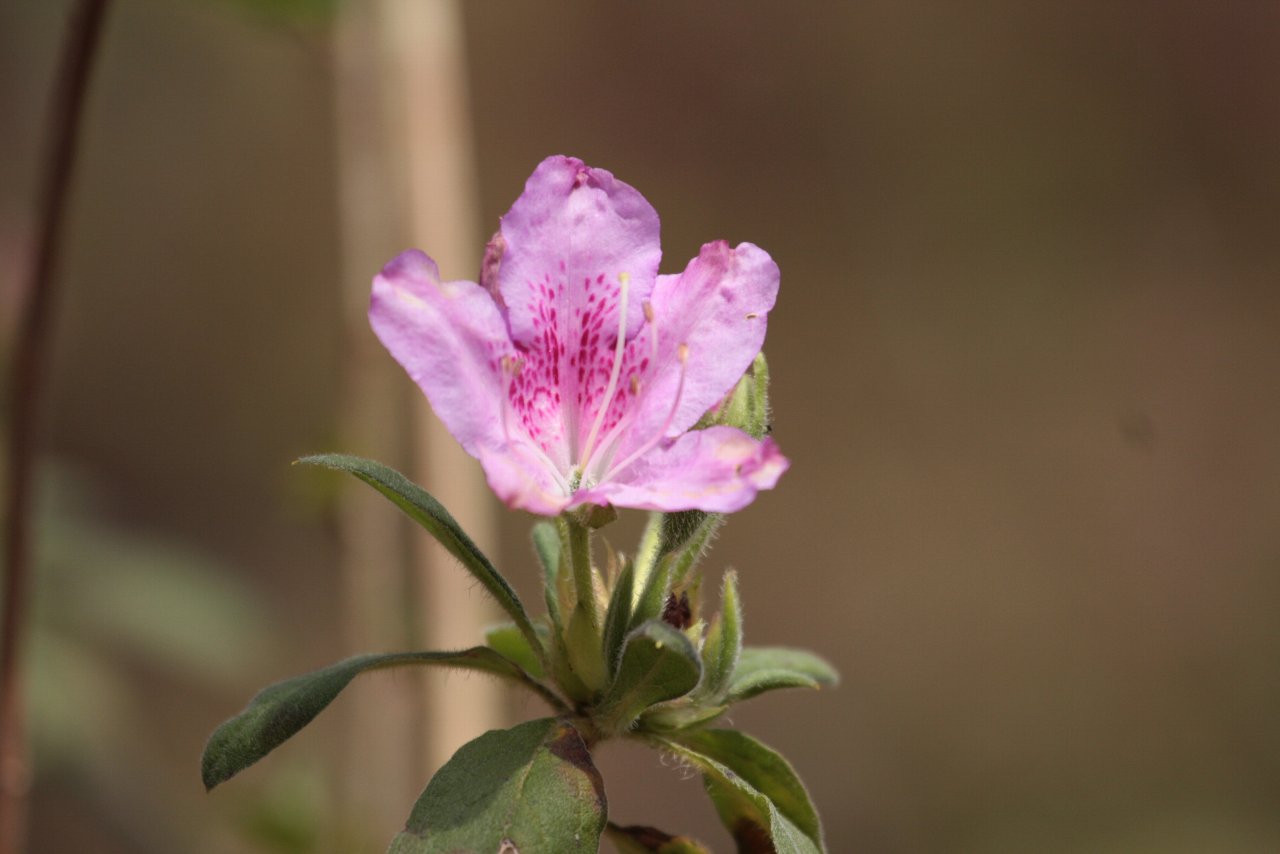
(586, 659)
(529, 789)
(758, 824)
(507, 640)
(763, 669)
(280, 710)
(638, 839)
(649, 604)
(658, 663)
(424, 509)
(617, 620)
(724, 642)
(680, 714)
(546, 544)
(763, 768)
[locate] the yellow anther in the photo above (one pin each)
(648, 311)
(682, 353)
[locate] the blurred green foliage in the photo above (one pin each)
(107, 598)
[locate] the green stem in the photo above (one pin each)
(579, 542)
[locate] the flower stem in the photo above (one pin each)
(579, 541)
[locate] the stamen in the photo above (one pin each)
(624, 280)
(682, 353)
(510, 369)
(653, 331)
(605, 447)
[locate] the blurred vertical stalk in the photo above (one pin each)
(406, 180)
(425, 38)
(380, 766)
(84, 29)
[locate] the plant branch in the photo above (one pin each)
(84, 30)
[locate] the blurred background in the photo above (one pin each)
(1026, 365)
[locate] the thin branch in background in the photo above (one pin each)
(84, 29)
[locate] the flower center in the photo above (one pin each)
(682, 353)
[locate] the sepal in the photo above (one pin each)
(724, 642)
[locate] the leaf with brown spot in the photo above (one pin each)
(741, 787)
(761, 767)
(531, 788)
(639, 839)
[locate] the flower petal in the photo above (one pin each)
(520, 478)
(450, 338)
(572, 241)
(718, 470)
(571, 225)
(717, 308)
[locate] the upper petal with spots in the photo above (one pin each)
(577, 244)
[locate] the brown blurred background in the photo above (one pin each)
(1026, 364)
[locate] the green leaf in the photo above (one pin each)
(754, 822)
(765, 668)
(507, 640)
(680, 714)
(653, 596)
(529, 789)
(617, 620)
(280, 710)
(724, 642)
(764, 769)
(420, 506)
(738, 790)
(658, 663)
(583, 648)
(638, 839)
(546, 544)
(686, 536)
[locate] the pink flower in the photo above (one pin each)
(574, 371)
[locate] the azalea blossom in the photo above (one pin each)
(573, 371)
